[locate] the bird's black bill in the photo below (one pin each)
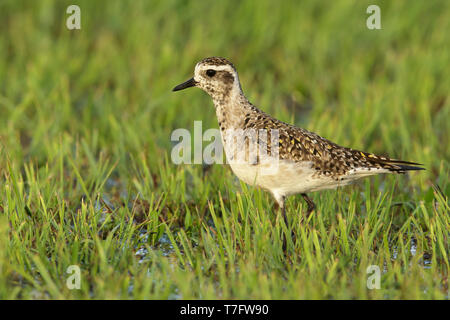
(190, 83)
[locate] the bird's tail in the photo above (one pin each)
(394, 165)
(403, 166)
(385, 163)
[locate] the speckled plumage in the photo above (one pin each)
(307, 162)
(329, 159)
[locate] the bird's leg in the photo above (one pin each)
(310, 203)
(283, 212)
(280, 204)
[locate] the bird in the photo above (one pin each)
(305, 162)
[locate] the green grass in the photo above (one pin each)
(85, 171)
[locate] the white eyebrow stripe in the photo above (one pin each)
(218, 68)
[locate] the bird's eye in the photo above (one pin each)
(210, 72)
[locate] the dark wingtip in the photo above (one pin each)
(406, 165)
(403, 166)
(410, 168)
(396, 165)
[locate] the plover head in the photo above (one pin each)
(217, 76)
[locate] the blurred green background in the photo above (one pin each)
(85, 170)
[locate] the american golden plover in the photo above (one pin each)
(306, 161)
